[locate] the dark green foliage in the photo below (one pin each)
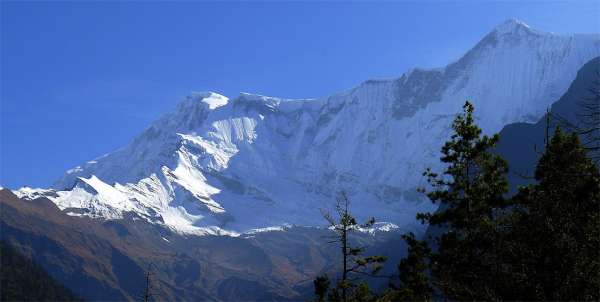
(24, 280)
(555, 237)
(414, 281)
(413, 271)
(321, 284)
(542, 244)
(360, 293)
(474, 181)
(471, 191)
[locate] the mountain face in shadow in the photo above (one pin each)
(22, 279)
(521, 144)
(108, 260)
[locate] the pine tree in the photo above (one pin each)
(556, 226)
(321, 285)
(542, 244)
(413, 270)
(470, 193)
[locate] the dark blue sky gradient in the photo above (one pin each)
(81, 79)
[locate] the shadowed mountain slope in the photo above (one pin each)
(107, 259)
(21, 279)
(521, 144)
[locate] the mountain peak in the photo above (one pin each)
(212, 99)
(215, 166)
(511, 25)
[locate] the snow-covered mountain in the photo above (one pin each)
(224, 166)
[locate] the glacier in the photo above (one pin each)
(225, 166)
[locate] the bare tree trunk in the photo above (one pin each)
(147, 292)
(345, 253)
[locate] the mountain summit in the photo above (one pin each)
(511, 25)
(225, 166)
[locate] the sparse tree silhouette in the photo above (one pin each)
(589, 115)
(588, 125)
(353, 261)
(149, 289)
(147, 292)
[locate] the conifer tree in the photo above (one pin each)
(556, 229)
(542, 244)
(470, 193)
(413, 270)
(321, 285)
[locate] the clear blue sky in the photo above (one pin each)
(81, 79)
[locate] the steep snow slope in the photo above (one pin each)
(224, 166)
